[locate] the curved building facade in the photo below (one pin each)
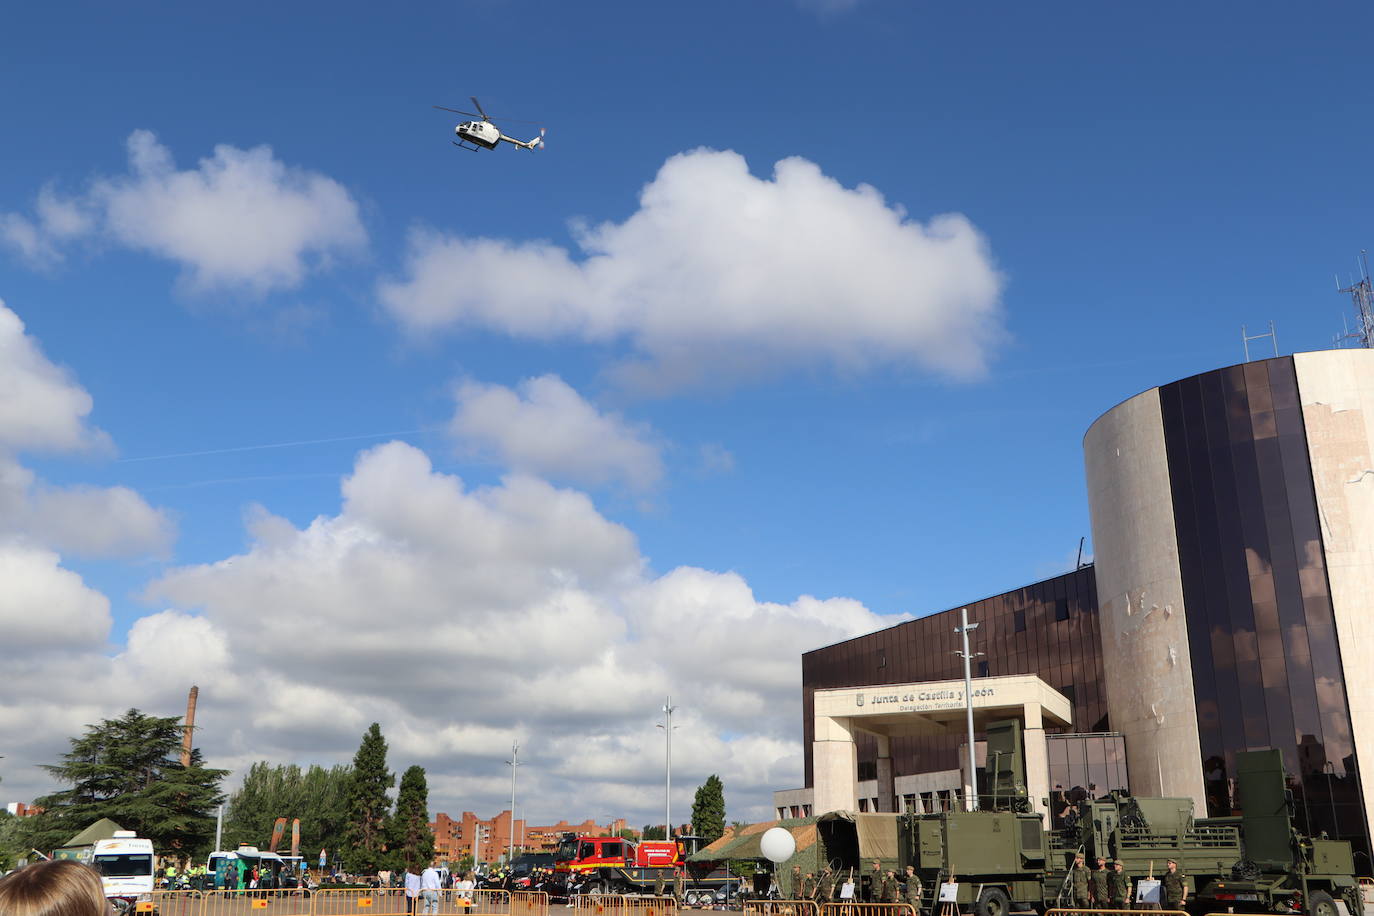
(1233, 528)
(1230, 607)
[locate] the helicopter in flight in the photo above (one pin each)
(483, 134)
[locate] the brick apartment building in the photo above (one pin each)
(453, 838)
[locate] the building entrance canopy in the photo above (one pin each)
(930, 708)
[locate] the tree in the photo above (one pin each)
(410, 840)
(365, 837)
(129, 769)
(653, 833)
(317, 796)
(708, 809)
(628, 834)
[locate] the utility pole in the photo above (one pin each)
(667, 726)
(512, 763)
(970, 803)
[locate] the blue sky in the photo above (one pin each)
(1142, 180)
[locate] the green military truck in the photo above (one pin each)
(1005, 861)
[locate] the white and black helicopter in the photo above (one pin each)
(483, 134)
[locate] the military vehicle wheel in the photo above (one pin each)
(994, 902)
(1319, 903)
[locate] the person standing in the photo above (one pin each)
(1119, 886)
(429, 889)
(1078, 877)
(807, 888)
(825, 888)
(412, 886)
(660, 882)
(1101, 890)
(875, 881)
(887, 891)
(1173, 887)
(911, 890)
(679, 884)
(464, 889)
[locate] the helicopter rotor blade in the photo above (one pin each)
(479, 107)
(456, 111)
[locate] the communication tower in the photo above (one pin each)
(1361, 293)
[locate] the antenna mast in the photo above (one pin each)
(1361, 293)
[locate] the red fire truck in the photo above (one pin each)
(613, 865)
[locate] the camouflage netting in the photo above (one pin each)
(840, 839)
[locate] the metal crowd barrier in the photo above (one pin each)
(869, 909)
(1138, 910)
(171, 903)
(599, 904)
(491, 900)
(529, 903)
(367, 901)
(781, 908)
(648, 905)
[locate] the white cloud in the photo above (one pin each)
(45, 607)
(56, 220)
(41, 406)
(547, 428)
(463, 619)
(721, 272)
(241, 218)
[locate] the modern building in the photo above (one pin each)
(1230, 606)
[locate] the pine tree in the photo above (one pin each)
(129, 770)
(365, 837)
(409, 838)
(708, 809)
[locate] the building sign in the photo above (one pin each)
(926, 700)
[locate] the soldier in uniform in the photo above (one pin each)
(911, 890)
(875, 881)
(888, 891)
(794, 890)
(1173, 887)
(825, 887)
(679, 885)
(1078, 877)
(808, 888)
(659, 883)
(1102, 895)
(1119, 886)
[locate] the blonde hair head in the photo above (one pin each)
(60, 888)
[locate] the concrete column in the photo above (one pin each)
(835, 765)
(886, 790)
(1145, 650)
(1037, 758)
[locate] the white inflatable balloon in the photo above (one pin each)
(777, 844)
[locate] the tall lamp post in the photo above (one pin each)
(512, 763)
(667, 726)
(964, 628)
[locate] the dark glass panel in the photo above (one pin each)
(1264, 655)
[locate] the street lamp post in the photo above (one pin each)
(512, 763)
(970, 803)
(667, 726)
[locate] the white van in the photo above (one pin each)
(125, 863)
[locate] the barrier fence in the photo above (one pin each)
(782, 908)
(386, 901)
(1087, 911)
(869, 909)
(650, 906)
(598, 904)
